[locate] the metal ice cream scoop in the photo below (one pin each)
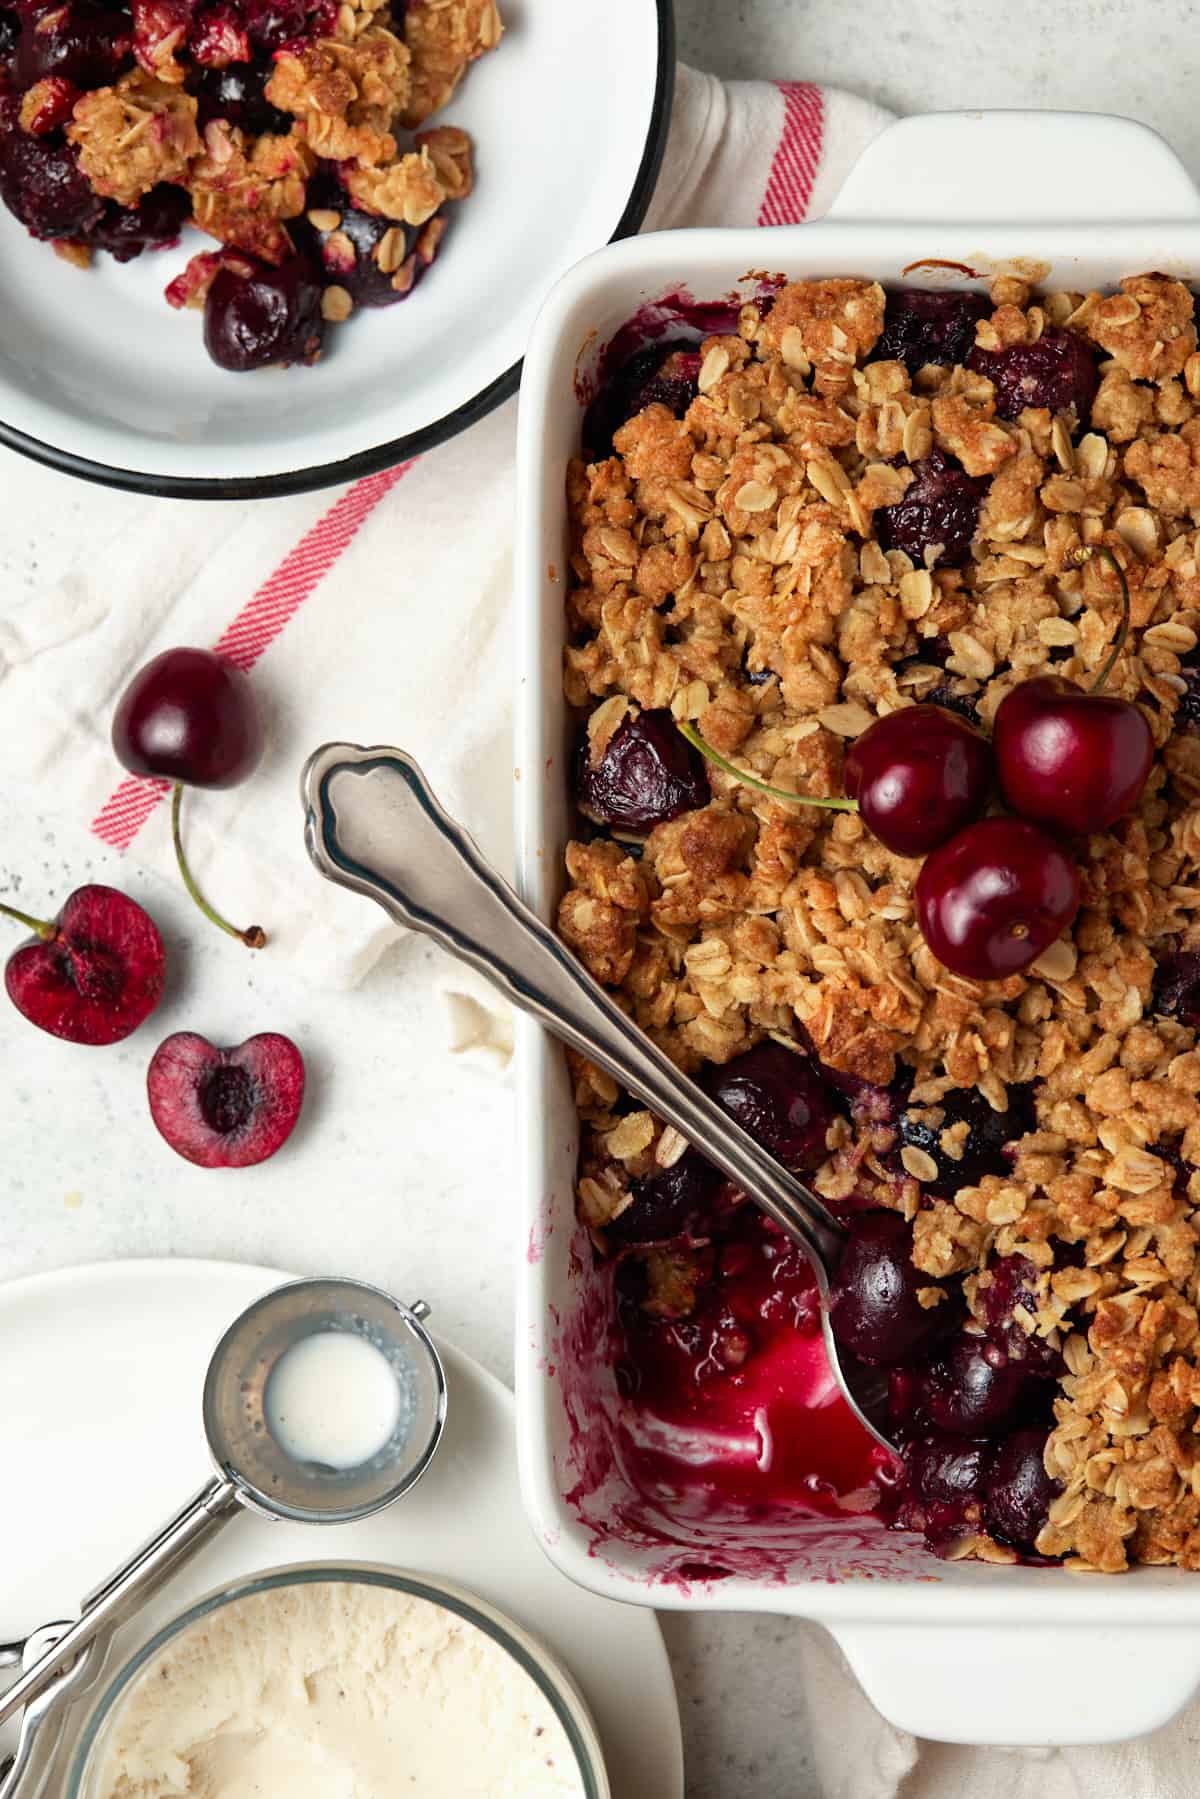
(373, 825)
(253, 1469)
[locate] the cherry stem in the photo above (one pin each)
(39, 926)
(1085, 554)
(776, 793)
(255, 937)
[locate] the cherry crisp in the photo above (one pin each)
(842, 503)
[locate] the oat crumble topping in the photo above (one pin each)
(727, 564)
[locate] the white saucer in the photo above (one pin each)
(101, 1370)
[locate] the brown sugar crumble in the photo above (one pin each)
(735, 562)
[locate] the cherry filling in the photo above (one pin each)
(376, 260)
(663, 373)
(732, 1411)
(78, 41)
(923, 325)
(153, 224)
(647, 775)
(938, 515)
(41, 182)
(236, 93)
(733, 1404)
(256, 315)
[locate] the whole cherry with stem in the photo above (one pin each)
(916, 775)
(1072, 758)
(191, 718)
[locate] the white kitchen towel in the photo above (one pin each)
(379, 613)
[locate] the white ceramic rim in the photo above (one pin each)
(1061, 1658)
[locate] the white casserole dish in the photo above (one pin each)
(953, 1651)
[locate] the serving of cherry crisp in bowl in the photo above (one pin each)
(295, 133)
(884, 646)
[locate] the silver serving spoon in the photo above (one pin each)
(373, 825)
(251, 1469)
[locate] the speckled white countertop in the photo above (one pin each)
(81, 1175)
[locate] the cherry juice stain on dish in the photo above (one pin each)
(653, 356)
(733, 1407)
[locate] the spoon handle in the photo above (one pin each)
(374, 826)
(124, 1590)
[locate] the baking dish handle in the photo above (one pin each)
(1013, 1684)
(1017, 167)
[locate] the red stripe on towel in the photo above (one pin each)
(256, 627)
(794, 170)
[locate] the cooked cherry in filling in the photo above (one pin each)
(815, 550)
(294, 132)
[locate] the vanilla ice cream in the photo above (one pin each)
(335, 1690)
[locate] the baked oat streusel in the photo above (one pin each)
(845, 505)
(282, 128)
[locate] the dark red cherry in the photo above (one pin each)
(189, 716)
(1012, 1284)
(226, 1108)
(665, 374)
(971, 1391)
(874, 1309)
(153, 224)
(940, 508)
(1018, 1491)
(41, 182)
(985, 1147)
(235, 93)
(1187, 712)
(1177, 988)
(779, 1097)
(648, 774)
(922, 325)
(994, 897)
(274, 24)
(669, 1203)
(347, 247)
(77, 41)
(945, 1484)
(918, 775)
(1068, 758)
(256, 315)
(1058, 371)
(946, 1470)
(56, 100)
(94, 974)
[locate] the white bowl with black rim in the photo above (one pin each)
(100, 378)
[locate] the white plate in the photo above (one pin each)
(99, 377)
(101, 1370)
